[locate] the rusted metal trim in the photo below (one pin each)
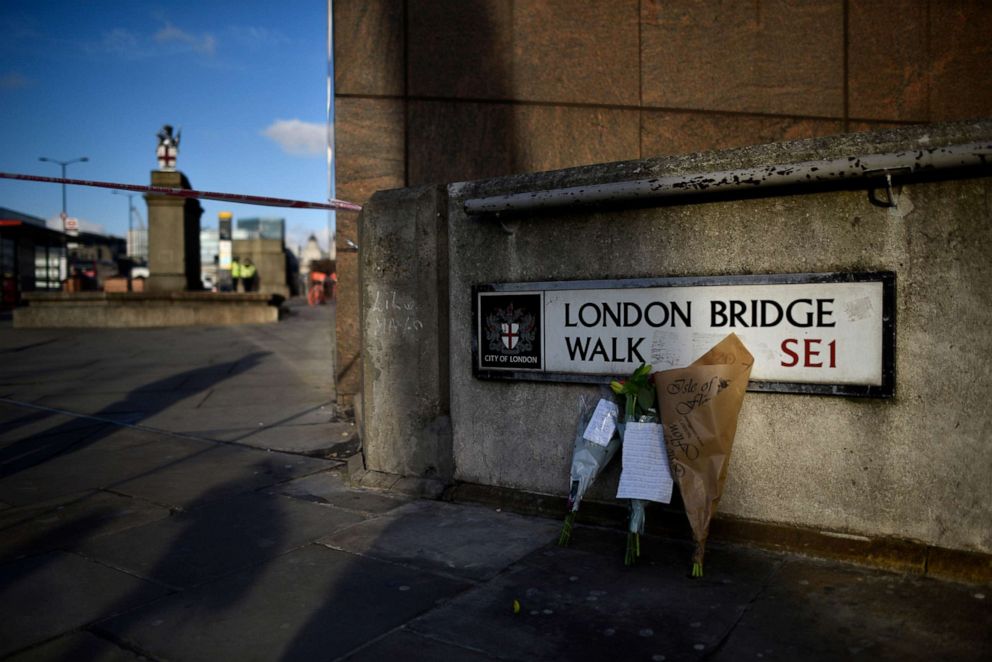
(850, 168)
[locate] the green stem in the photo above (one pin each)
(633, 549)
(697, 569)
(566, 529)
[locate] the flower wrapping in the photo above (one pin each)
(589, 457)
(699, 407)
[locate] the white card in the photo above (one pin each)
(603, 423)
(646, 474)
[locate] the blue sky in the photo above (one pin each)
(245, 82)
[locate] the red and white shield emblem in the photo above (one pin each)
(509, 334)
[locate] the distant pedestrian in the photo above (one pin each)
(235, 273)
(249, 275)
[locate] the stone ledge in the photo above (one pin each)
(138, 297)
(898, 555)
(143, 309)
(895, 554)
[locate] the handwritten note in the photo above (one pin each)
(603, 423)
(646, 474)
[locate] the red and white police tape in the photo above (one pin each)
(190, 193)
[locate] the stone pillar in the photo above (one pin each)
(403, 240)
(173, 237)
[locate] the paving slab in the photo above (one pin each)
(78, 646)
(218, 422)
(817, 610)
(30, 372)
(467, 541)
(12, 413)
(331, 488)
(238, 395)
(148, 403)
(215, 472)
(311, 604)
(412, 647)
(44, 596)
(66, 523)
(205, 543)
(586, 605)
(21, 449)
(41, 427)
(305, 439)
(97, 463)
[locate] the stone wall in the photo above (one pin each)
(117, 310)
(454, 90)
(915, 466)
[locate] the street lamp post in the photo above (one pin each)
(130, 219)
(82, 159)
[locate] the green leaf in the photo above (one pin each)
(645, 398)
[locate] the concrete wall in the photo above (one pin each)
(404, 322)
(916, 466)
(454, 90)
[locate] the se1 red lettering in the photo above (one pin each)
(809, 352)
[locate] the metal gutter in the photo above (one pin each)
(850, 168)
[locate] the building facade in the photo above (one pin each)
(263, 228)
(32, 257)
(456, 90)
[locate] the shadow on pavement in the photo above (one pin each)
(149, 399)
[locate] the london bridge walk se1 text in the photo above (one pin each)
(732, 313)
(729, 313)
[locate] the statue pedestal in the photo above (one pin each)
(173, 237)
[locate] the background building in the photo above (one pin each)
(263, 228)
(534, 85)
(97, 257)
(32, 257)
(209, 257)
(137, 242)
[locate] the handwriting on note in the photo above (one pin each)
(646, 474)
(603, 423)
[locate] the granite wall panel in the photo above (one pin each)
(571, 51)
(369, 136)
(368, 47)
(370, 156)
(887, 60)
(668, 133)
(961, 53)
(768, 56)
(457, 141)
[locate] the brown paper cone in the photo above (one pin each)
(699, 406)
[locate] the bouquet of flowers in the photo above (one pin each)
(596, 442)
(699, 409)
(639, 398)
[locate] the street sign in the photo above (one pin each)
(809, 333)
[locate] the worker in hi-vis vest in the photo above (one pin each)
(235, 273)
(249, 275)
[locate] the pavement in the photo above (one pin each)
(183, 494)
